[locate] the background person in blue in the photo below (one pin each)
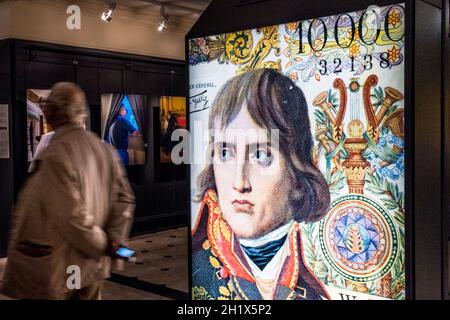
(118, 134)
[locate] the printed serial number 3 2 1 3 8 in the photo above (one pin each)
(336, 66)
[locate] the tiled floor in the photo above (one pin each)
(160, 273)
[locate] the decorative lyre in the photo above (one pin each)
(356, 138)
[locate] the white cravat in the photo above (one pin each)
(266, 279)
(273, 235)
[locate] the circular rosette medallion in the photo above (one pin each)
(358, 238)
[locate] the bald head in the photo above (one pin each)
(66, 104)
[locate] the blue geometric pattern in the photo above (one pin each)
(359, 238)
(356, 237)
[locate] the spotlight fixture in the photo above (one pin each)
(164, 17)
(107, 14)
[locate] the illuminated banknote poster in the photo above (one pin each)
(315, 209)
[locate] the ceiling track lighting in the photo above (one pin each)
(107, 14)
(164, 17)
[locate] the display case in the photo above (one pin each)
(342, 196)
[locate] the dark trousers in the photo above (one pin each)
(123, 153)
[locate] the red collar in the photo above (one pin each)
(225, 246)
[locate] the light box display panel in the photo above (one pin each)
(329, 223)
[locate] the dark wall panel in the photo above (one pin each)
(446, 103)
(6, 165)
(428, 205)
(131, 81)
(110, 81)
(160, 204)
(148, 82)
(41, 75)
(88, 78)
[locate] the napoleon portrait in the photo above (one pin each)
(255, 193)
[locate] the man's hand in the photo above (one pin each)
(112, 248)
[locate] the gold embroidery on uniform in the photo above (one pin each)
(225, 231)
(214, 262)
(224, 291)
(206, 245)
(212, 230)
(296, 272)
(212, 195)
(216, 228)
(217, 211)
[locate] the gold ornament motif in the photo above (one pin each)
(292, 26)
(357, 286)
(394, 54)
(239, 46)
(354, 50)
(384, 286)
(354, 241)
(355, 164)
(238, 49)
(355, 128)
(394, 18)
(395, 122)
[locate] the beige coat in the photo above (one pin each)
(77, 200)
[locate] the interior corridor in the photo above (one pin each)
(160, 273)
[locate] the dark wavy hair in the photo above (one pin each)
(274, 102)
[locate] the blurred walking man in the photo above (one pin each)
(72, 212)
